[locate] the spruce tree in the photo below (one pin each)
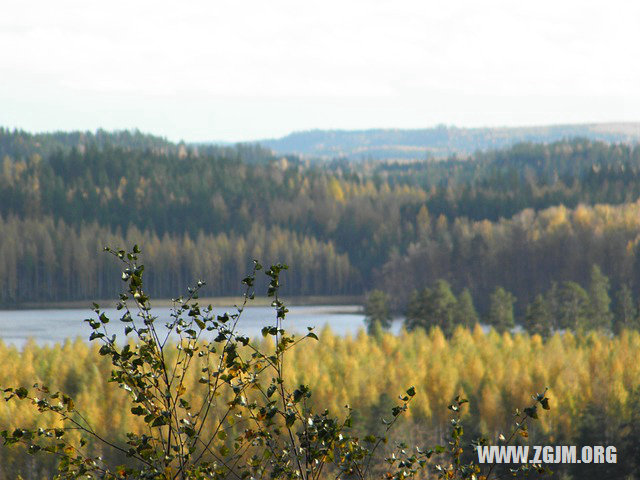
(440, 309)
(501, 310)
(625, 311)
(376, 311)
(552, 300)
(414, 314)
(465, 312)
(599, 301)
(537, 319)
(432, 307)
(573, 307)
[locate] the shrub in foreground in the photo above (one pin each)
(243, 420)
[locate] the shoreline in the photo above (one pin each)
(263, 301)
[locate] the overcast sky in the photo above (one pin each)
(241, 70)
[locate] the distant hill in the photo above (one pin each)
(439, 141)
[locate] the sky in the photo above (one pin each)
(221, 70)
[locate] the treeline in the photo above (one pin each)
(48, 260)
(594, 381)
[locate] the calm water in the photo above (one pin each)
(51, 326)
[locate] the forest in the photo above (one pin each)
(525, 259)
(529, 219)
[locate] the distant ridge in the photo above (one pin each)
(437, 142)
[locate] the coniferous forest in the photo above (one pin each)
(541, 242)
(534, 220)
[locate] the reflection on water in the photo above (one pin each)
(52, 326)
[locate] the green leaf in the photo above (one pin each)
(266, 331)
(411, 391)
(545, 403)
(68, 401)
(271, 390)
(290, 419)
(160, 421)
(21, 392)
(93, 324)
(95, 335)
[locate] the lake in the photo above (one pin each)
(47, 326)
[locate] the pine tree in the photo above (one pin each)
(599, 301)
(552, 300)
(415, 311)
(376, 310)
(465, 313)
(432, 307)
(573, 307)
(625, 311)
(501, 310)
(537, 319)
(440, 308)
